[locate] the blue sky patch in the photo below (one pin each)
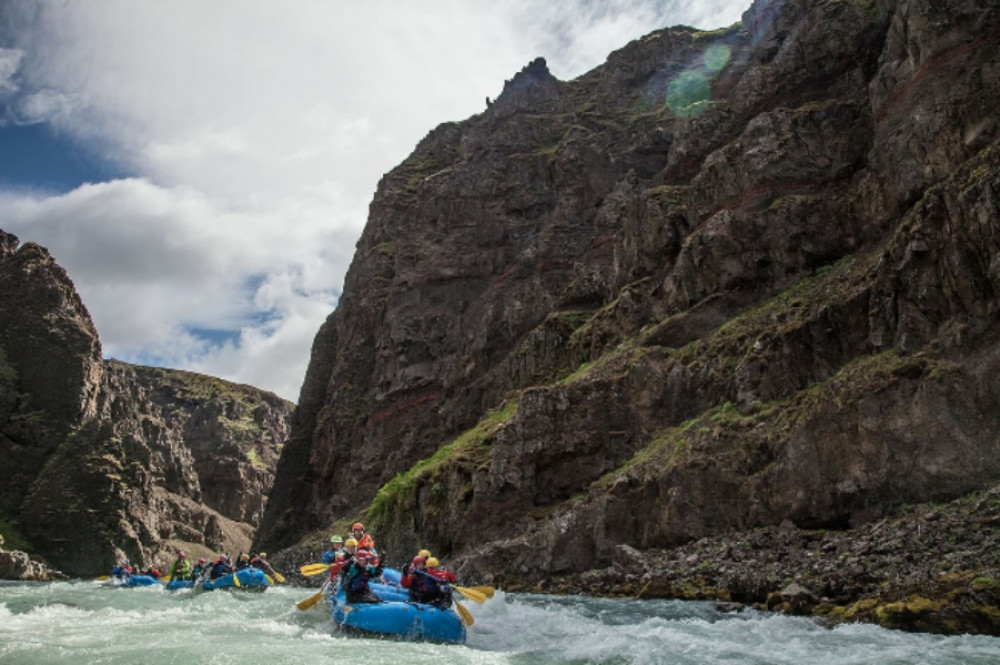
(36, 157)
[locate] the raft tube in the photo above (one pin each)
(396, 616)
(131, 581)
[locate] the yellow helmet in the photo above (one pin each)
(349, 542)
(424, 553)
(432, 563)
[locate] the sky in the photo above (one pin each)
(203, 168)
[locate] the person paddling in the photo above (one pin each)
(365, 540)
(181, 570)
(415, 583)
(437, 583)
(222, 566)
(336, 551)
(260, 561)
(434, 569)
(123, 570)
(357, 572)
(345, 559)
(200, 569)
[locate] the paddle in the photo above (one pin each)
(278, 576)
(472, 594)
(103, 578)
(487, 591)
(467, 618)
(164, 578)
(311, 569)
(269, 578)
(313, 599)
(236, 578)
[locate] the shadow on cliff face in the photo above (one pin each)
(104, 460)
(726, 281)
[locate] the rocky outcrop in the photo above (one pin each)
(725, 281)
(104, 459)
(50, 364)
(929, 568)
(16, 565)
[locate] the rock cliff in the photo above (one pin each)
(723, 282)
(104, 459)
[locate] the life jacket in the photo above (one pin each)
(425, 588)
(357, 575)
(221, 567)
(441, 574)
(359, 582)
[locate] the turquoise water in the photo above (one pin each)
(86, 623)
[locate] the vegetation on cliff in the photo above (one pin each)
(731, 280)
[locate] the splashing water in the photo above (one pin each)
(84, 622)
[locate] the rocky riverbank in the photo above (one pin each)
(17, 565)
(928, 568)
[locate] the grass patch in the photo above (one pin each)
(13, 538)
(255, 460)
(400, 492)
(747, 442)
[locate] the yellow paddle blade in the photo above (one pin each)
(471, 594)
(236, 580)
(487, 591)
(310, 601)
(278, 576)
(269, 578)
(310, 569)
(103, 578)
(467, 618)
(164, 578)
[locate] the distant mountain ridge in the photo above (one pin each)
(103, 459)
(728, 280)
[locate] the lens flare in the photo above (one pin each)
(689, 93)
(716, 57)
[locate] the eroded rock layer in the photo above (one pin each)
(725, 281)
(103, 459)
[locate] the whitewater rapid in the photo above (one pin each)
(85, 623)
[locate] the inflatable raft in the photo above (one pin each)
(397, 616)
(129, 581)
(249, 579)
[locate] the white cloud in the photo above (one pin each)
(258, 132)
(10, 62)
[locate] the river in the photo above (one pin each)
(85, 623)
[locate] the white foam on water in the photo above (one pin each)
(601, 631)
(81, 623)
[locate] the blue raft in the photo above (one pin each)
(250, 579)
(177, 585)
(130, 581)
(397, 616)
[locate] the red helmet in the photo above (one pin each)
(202, 561)
(418, 561)
(357, 525)
(180, 554)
